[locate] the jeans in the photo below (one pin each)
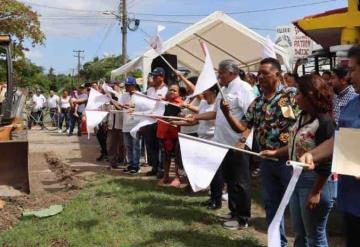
(310, 225)
(76, 120)
(64, 116)
(237, 177)
(275, 177)
(133, 150)
(152, 146)
(352, 226)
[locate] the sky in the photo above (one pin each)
(82, 25)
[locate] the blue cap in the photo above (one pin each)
(158, 71)
(130, 81)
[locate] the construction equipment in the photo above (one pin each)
(13, 152)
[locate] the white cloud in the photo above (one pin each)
(34, 54)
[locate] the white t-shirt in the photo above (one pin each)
(39, 101)
(53, 102)
(206, 128)
(157, 93)
(193, 128)
(129, 121)
(240, 95)
(65, 103)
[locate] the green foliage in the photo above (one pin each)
(129, 212)
(22, 25)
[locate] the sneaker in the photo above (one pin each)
(134, 171)
(225, 197)
(235, 224)
(60, 131)
(226, 217)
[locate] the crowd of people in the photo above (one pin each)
(287, 116)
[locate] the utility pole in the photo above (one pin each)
(124, 24)
(78, 56)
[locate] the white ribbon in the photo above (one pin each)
(274, 239)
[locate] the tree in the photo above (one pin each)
(21, 22)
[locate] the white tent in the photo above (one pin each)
(225, 38)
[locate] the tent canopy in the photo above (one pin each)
(225, 39)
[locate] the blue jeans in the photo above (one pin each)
(132, 150)
(310, 225)
(275, 177)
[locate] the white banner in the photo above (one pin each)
(201, 160)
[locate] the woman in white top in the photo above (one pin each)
(65, 110)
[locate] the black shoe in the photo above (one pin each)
(214, 205)
(151, 173)
(160, 175)
(114, 166)
(206, 203)
(102, 157)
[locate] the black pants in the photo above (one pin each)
(217, 185)
(101, 136)
(352, 233)
(237, 177)
(152, 146)
(38, 116)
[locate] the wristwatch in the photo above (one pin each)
(242, 139)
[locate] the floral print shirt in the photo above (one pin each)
(307, 133)
(272, 118)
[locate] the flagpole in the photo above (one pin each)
(225, 146)
(163, 101)
(158, 116)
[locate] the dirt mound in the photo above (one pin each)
(65, 174)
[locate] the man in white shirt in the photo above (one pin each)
(158, 90)
(235, 166)
(53, 103)
(38, 104)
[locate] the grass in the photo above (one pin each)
(128, 212)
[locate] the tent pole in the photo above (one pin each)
(219, 48)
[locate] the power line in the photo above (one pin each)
(59, 8)
(108, 31)
(238, 12)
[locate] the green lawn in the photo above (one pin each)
(128, 212)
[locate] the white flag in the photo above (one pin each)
(93, 118)
(201, 159)
(269, 50)
(207, 77)
(96, 100)
(147, 105)
(273, 232)
(107, 89)
(155, 41)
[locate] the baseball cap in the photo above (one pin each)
(130, 81)
(158, 71)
